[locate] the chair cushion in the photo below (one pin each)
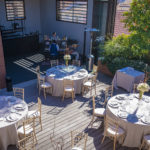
(68, 89)
(112, 130)
(147, 138)
(88, 83)
(99, 111)
(46, 85)
(21, 130)
(33, 113)
(76, 148)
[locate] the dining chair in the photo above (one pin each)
(89, 83)
(97, 112)
(113, 131)
(44, 86)
(54, 62)
(78, 140)
(76, 62)
(147, 76)
(109, 93)
(27, 128)
(38, 74)
(27, 143)
(37, 114)
(19, 92)
(68, 87)
(145, 142)
(135, 88)
(95, 69)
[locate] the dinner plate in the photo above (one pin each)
(19, 107)
(122, 114)
(113, 104)
(146, 100)
(120, 97)
(12, 117)
(146, 119)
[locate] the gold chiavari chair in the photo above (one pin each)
(44, 86)
(27, 143)
(37, 114)
(113, 131)
(19, 93)
(147, 76)
(145, 142)
(97, 112)
(135, 88)
(38, 74)
(89, 83)
(27, 129)
(76, 63)
(54, 62)
(109, 93)
(78, 140)
(68, 87)
(95, 69)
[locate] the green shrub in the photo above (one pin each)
(127, 46)
(120, 62)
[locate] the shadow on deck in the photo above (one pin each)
(62, 117)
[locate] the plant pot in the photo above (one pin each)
(104, 69)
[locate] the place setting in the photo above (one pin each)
(113, 104)
(12, 117)
(145, 120)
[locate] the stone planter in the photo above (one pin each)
(104, 69)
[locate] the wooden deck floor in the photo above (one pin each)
(68, 116)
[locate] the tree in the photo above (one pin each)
(137, 20)
(138, 17)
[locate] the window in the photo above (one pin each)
(72, 11)
(15, 9)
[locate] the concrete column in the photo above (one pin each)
(2, 66)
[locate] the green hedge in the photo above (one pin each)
(125, 50)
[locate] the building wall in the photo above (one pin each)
(119, 27)
(32, 13)
(71, 30)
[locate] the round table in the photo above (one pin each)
(132, 114)
(12, 110)
(55, 76)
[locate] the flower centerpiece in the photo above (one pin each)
(142, 87)
(67, 57)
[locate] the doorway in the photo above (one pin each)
(103, 19)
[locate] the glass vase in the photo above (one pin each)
(140, 95)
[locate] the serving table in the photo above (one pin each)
(55, 76)
(133, 116)
(127, 77)
(12, 110)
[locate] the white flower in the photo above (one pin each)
(67, 57)
(143, 87)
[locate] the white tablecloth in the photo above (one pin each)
(126, 78)
(133, 116)
(8, 111)
(55, 76)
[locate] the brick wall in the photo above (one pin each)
(119, 25)
(2, 66)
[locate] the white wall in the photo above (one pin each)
(71, 30)
(32, 13)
